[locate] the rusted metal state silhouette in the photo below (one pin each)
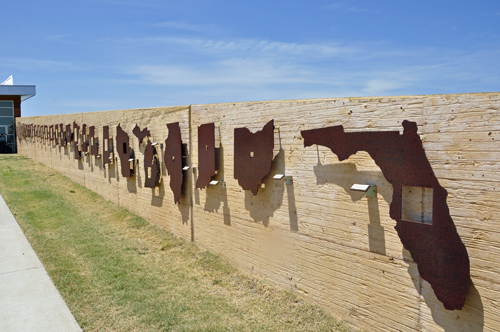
(206, 155)
(140, 134)
(151, 162)
(68, 135)
(94, 147)
(84, 138)
(173, 159)
(76, 132)
(52, 133)
(124, 151)
(253, 156)
(437, 249)
(62, 135)
(106, 146)
(56, 134)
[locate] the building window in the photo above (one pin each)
(7, 136)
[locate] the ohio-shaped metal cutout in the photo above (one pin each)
(253, 156)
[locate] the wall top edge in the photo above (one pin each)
(366, 98)
(142, 109)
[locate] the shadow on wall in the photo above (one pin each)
(268, 199)
(80, 164)
(185, 202)
(292, 209)
(112, 171)
(109, 170)
(138, 172)
(157, 200)
(345, 175)
(131, 183)
(470, 318)
(216, 194)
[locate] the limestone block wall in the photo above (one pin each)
(317, 238)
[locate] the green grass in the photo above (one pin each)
(117, 272)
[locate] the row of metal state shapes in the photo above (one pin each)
(253, 152)
(437, 249)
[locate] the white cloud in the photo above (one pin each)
(225, 47)
(238, 71)
(305, 69)
(381, 86)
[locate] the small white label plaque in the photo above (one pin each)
(360, 187)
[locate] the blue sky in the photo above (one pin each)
(95, 55)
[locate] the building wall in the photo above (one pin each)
(317, 238)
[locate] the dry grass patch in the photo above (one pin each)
(117, 272)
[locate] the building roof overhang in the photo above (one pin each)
(25, 91)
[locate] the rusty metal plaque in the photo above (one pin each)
(76, 130)
(140, 134)
(94, 145)
(106, 146)
(437, 249)
(253, 156)
(124, 151)
(173, 159)
(206, 154)
(84, 138)
(151, 166)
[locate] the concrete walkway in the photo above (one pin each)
(29, 301)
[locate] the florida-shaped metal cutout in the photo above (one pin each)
(437, 249)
